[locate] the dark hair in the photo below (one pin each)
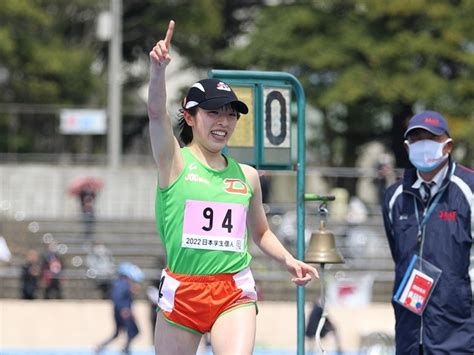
(185, 131)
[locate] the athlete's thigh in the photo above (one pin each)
(171, 340)
(234, 331)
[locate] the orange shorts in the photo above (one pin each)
(194, 302)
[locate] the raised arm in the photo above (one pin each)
(164, 144)
(266, 240)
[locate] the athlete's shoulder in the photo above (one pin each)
(247, 168)
(251, 174)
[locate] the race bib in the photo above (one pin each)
(214, 226)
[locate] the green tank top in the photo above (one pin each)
(201, 218)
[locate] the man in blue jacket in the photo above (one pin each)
(429, 213)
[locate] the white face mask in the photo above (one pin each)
(427, 155)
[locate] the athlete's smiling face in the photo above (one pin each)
(213, 128)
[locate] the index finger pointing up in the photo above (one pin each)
(169, 33)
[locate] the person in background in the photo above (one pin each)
(384, 171)
(86, 189)
(206, 206)
(51, 272)
(30, 273)
(124, 289)
(429, 213)
(101, 264)
(87, 197)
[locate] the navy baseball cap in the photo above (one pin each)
(431, 121)
(211, 94)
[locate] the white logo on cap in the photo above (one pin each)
(223, 86)
(191, 104)
(199, 86)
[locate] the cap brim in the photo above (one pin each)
(433, 130)
(219, 102)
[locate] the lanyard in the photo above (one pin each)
(428, 213)
(431, 208)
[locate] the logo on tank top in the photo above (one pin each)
(193, 176)
(235, 186)
(196, 178)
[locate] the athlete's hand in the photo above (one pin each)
(302, 272)
(160, 54)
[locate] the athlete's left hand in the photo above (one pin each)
(302, 272)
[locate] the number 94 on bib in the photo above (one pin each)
(214, 226)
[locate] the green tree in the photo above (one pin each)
(47, 51)
(44, 50)
(365, 64)
(361, 61)
(203, 27)
(50, 55)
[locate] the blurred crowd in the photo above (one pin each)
(42, 273)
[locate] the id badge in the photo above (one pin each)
(417, 285)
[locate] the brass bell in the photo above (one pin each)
(322, 247)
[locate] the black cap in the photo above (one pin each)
(211, 94)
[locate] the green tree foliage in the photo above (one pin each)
(366, 64)
(47, 51)
(361, 61)
(203, 26)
